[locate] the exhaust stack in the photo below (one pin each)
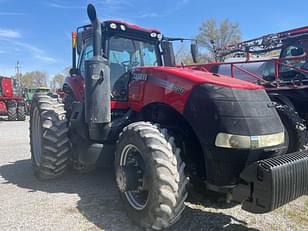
(97, 80)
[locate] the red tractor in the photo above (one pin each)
(12, 102)
(163, 126)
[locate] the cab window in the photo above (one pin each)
(87, 53)
(296, 49)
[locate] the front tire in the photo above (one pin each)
(50, 146)
(21, 113)
(295, 128)
(150, 175)
(12, 111)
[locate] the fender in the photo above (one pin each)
(76, 85)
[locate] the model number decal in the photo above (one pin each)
(168, 85)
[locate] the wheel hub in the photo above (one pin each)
(127, 178)
(130, 177)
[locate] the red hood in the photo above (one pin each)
(201, 77)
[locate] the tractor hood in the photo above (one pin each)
(197, 77)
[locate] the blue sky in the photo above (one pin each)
(37, 32)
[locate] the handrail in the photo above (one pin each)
(277, 62)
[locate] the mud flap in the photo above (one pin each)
(273, 182)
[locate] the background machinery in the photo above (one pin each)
(12, 103)
(285, 78)
(30, 91)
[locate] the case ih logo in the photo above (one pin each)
(163, 83)
(140, 76)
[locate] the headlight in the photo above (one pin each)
(225, 140)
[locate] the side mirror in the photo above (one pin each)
(194, 52)
(297, 51)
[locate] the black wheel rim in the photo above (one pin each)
(131, 155)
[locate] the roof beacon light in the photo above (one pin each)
(123, 28)
(113, 26)
(153, 34)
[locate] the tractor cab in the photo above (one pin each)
(126, 46)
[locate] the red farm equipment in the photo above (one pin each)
(12, 103)
(285, 78)
(163, 126)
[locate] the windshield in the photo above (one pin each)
(125, 54)
(297, 49)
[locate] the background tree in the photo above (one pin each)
(34, 79)
(183, 55)
(57, 82)
(224, 34)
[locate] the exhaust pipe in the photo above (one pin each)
(97, 80)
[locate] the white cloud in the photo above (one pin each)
(9, 33)
(36, 52)
(11, 14)
(183, 1)
(150, 15)
(59, 6)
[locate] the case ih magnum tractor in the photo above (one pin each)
(285, 78)
(163, 125)
(12, 103)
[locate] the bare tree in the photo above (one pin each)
(34, 79)
(183, 56)
(57, 82)
(224, 34)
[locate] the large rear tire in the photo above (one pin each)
(295, 128)
(12, 111)
(50, 146)
(21, 113)
(150, 175)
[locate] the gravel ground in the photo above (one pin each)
(91, 202)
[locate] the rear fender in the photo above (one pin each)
(74, 84)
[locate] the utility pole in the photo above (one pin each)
(18, 76)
